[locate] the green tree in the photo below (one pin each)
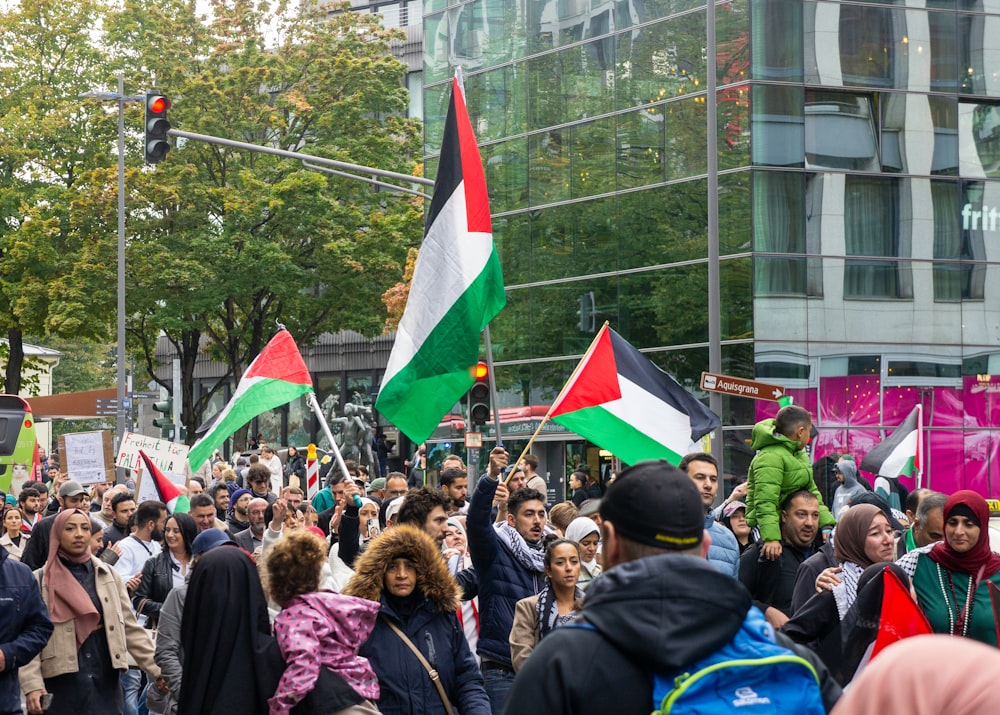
(225, 243)
(50, 147)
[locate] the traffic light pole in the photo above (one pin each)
(493, 384)
(318, 163)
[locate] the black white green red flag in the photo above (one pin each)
(457, 288)
(622, 402)
(899, 454)
(277, 376)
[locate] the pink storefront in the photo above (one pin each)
(962, 425)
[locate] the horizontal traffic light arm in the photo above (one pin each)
(317, 160)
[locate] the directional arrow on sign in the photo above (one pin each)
(741, 387)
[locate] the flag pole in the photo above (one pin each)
(314, 406)
(920, 447)
(545, 419)
(493, 384)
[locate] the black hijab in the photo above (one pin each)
(231, 661)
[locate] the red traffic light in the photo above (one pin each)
(481, 371)
(158, 105)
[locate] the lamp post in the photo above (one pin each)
(121, 98)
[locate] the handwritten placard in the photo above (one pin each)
(170, 457)
(87, 456)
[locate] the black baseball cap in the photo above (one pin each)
(657, 504)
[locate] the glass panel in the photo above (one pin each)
(661, 61)
(872, 228)
(569, 85)
(946, 68)
(685, 137)
(979, 140)
(907, 122)
(732, 33)
(779, 222)
(435, 111)
(977, 54)
(506, 174)
(592, 168)
(777, 39)
(497, 103)
(778, 126)
(556, 23)
(840, 131)
(958, 234)
(574, 240)
(648, 240)
(733, 113)
(549, 167)
(735, 225)
(299, 423)
(436, 48)
(512, 237)
(871, 51)
(641, 156)
(736, 289)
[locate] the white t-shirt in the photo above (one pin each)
(277, 479)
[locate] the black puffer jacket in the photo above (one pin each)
(659, 613)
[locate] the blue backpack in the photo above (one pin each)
(750, 675)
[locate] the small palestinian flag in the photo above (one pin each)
(899, 454)
(622, 402)
(167, 492)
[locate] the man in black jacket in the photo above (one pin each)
(659, 606)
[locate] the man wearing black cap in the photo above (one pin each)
(658, 607)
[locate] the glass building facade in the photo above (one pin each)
(858, 202)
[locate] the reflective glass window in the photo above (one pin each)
(908, 120)
(663, 225)
(779, 227)
(735, 225)
(506, 170)
(733, 133)
(640, 147)
(435, 111)
(869, 49)
(777, 39)
(436, 48)
(736, 296)
(569, 85)
(549, 167)
(778, 125)
(497, 102)
(979, 140)
(732, 37)
(959, 228)
(840, 131)
(685, 138)
(556, 23)
(945, 61)
(660, 61)
(872, 230)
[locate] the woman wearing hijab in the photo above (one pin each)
(556, 605)
(403, 570)
(95, 629)
(585, 532)
(456, 555)
(863, 537)
(926, 675)
(231, 661)
(952, 577)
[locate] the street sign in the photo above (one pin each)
(741, 387)
(105, 407)
(473, 440)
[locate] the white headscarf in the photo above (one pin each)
(579, 529)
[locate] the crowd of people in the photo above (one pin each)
(391, 595)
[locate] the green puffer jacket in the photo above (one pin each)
(780, 468)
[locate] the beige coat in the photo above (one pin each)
(125, 635)
(524, 633)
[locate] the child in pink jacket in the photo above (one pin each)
(315, 629)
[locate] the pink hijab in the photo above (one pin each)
(926, 675)
(68, 600)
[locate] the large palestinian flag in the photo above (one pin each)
(899, 454)
(457, 288)
(276, 377)
(622, 402)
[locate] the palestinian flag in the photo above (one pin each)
(163, 489)
(276, 377)
(622, 402)
(899, 454)
(901, 617)
(457, 288)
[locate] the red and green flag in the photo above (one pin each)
(276, 377)
(899, 454)
(157, 485)
(622, 402)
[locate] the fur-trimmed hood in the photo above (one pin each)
(433, 578)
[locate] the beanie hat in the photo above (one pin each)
(656, 504)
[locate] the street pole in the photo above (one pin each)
(120, 355)
(120, 98)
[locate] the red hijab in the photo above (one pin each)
(68, 600)
(979, 556)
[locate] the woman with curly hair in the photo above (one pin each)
(316, 629)
(402, 571)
